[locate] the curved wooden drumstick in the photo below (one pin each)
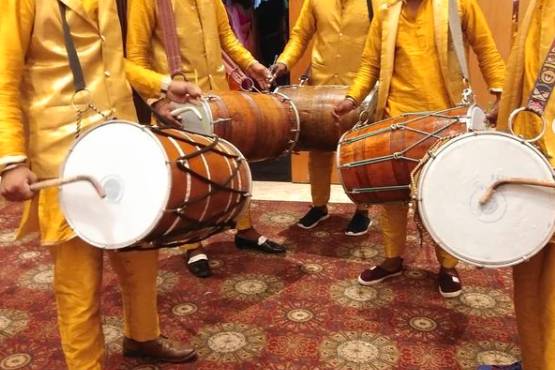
(69, 180)
(513, 181)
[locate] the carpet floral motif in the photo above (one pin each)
(350, 293)
(12, 322)
(251, 287)
(359, 350)
(230, 342)
(486, 352)
(482, 302)
(300, 311)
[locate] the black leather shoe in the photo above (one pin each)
(200, 268)
(263, 244)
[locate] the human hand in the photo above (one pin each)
(277, 70)
(164, 108)
(260, 74)
(16, 184)
(342, 108)
(181, 91)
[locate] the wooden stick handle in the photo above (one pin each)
(513, 181)
(70, 180)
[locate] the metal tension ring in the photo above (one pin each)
(538, 114)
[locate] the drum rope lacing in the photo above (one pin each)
(402, 126)
(181, 162)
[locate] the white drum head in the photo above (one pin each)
(195, 118)
(516, 223)
(130, 163)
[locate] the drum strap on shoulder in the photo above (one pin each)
(370, 10)
(539, 97)
(455, 29)
(166, 20)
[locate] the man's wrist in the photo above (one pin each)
(9, 162)
(12, 166)
(352, 100)
(165, 85)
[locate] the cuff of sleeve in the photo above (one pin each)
(10, 161)
(355, 102)
(496, 90)
(250, 64)
(165, 83)
(284, 62)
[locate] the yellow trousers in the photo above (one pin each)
(534, 287)
(244, 222)
(320, 165)
(77, 287)
(393, 221)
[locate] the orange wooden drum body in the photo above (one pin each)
(376, 160)
(211, 184)
(315, 104)
(261, 126)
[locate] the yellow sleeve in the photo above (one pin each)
(369, 70)
(480, 38)
(16, 27)
(300, 37)
(138, 68)
(229, 42)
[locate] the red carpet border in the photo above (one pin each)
(302, 311)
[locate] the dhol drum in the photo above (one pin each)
(452, 187)
(319, 131)
(163, 187)
(375, 160)
(261, 125)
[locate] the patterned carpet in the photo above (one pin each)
(303, 311)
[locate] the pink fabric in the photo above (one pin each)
(242, 23)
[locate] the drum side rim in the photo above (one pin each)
(160, 212)
(425, 221)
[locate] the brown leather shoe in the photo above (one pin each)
(377, 274)
(449, 282)
(162, 349)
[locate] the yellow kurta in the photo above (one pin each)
(37, 124)
(412, 60)
(417, 71)
(203, 31)
(339, 29)
(534, 280)
(37, 119)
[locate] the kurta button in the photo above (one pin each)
(107, 73)
(103, 38)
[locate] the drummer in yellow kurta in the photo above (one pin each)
(37, 127)
(407, 50)
(203, 32)
(339, 29)
(534, 281)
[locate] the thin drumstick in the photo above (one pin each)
(69, 180)
(513, 181)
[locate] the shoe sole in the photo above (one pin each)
(314, 224)
(172, 360)
(450, 294)
(360, 233)
(373, 282)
